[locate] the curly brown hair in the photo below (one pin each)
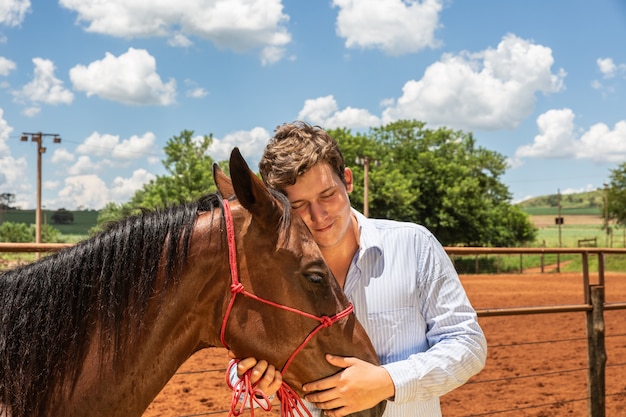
(295, 148)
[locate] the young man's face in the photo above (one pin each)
(321, 199)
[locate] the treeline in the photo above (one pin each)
(438, 178)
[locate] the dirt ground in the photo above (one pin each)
(536, 364)
(570, 220)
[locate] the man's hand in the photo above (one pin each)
(268, 378)
(358, 387)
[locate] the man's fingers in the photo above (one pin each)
(244, 365)
(258, 371)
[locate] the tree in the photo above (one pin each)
(23, 233)
(6, 201)
(438, 178)
(62, 216)
(16, 233)
(190, 176)
(615, 202)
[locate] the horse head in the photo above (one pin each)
(303, 319)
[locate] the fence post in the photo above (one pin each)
(596, 352)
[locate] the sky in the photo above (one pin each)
(541, 82)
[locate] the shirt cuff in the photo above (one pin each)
(403, 379)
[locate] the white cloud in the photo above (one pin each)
(607, 67)
(83, 166)
(123, 189)
(5, 132)
(324, 111)
(82, 191)
(394, 26)
(45, 88)
(89, 190)
(135, 147)
(193, 90)
(239, 25)
(492, 89)
(179, 40)
(609, 70)
(251, 144)
(6, 66)
(98, 144)
(50, 185)
(12, 12)
(130, 78)
(61, 156)
(31, 111)
(558, 138)
(601, 143)
(13, 172)
(110, 146)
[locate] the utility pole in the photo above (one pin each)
(559, 222)
(606, 214)
(38, 138)
(366, 162)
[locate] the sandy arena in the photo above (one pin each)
(526, 374)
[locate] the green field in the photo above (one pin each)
(83, 220)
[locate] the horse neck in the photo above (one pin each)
(186, 320)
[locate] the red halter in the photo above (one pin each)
(243, 390)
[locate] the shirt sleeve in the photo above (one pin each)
(457, 348)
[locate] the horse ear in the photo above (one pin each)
(223, 183)
(250, 190)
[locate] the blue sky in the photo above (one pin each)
(541, 82)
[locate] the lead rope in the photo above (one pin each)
(244, 392)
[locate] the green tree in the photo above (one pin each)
(616, 195)
(438, 178)
(190, 176)
(62, 216)
(6, 201)
(23, 233)
(16, 233)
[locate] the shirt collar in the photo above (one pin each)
(370, 240)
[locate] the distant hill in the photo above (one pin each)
(586, 203)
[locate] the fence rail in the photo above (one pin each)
(594, 304)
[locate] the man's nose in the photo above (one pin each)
(317, 212)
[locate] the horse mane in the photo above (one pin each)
(52, 308)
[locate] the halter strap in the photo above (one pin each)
(243, 390)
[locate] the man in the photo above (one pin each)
(404, 288)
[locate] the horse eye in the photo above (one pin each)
(313, 277)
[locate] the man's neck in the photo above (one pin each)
(340, 257)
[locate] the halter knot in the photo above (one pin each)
(237, 288)
(326, 321)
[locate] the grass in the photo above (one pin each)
(548, 236)
(570, 236)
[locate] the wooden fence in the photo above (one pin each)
(593, 305)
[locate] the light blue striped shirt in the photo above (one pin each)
(409, 298)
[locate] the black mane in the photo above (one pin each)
(49, 309)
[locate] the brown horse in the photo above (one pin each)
(99, 328)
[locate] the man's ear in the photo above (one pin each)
(349, 179)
